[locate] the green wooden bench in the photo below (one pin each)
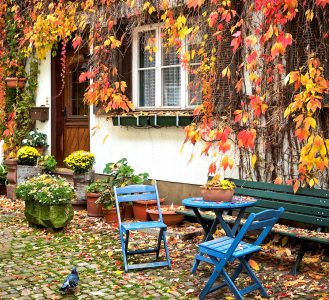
(307, 206)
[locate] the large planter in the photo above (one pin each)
(14, 82)
(216, 194)
(169, 216)
(81, 181)
(53, 216)
(94, 209)
(11, 165)
(140, 207)
(110, 214)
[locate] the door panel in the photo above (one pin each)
(75, 138)
(76, 112)
(70, 116)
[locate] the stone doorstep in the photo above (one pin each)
(171, 232)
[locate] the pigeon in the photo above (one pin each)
(70, 282)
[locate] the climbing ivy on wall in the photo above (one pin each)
(263, 72)
(16, 102)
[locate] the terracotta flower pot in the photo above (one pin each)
(110, 215)
(3, 190)
(128, 212)
(13, 82)
(170, 217)
(94, 209)
(216, 194)
(11, 165)
(141, 206)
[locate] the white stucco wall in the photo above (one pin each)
(152, 150)
(44, 95)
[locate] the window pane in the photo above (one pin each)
(171, 86)
(147, 88)
(79, 108)
(169, 56)
(146, 58)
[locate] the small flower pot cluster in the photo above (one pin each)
(100, 194)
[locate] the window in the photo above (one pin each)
(159, 80)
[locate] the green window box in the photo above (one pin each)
(154, 121)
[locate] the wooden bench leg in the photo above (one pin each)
(326, 253)
(301, 252)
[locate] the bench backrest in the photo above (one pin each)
(309, 206)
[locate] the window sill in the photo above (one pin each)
(152, 120)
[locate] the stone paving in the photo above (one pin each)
(34, 262)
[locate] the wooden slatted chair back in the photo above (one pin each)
(262, 221)
(131, 193)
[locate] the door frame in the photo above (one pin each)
(57, 106)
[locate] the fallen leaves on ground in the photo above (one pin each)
(43, 258)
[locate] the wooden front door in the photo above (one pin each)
(70, 116)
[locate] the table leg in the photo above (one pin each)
(238, 220)
(231, 232)
(202, 221)
(209, 231)
(222, 222)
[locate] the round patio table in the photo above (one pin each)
(239, 203)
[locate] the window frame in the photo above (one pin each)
(184, 91)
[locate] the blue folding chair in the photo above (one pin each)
(133, 193)
(228, 249)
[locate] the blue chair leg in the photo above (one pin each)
(127, 241)
(159, 243)
(254, 277)
(217, 270)
(231, 285)
(124, 247)
(166, 248)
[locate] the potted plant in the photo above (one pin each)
(37, 140)
(48, 163)
(81, 162)
(3, 179)
(47, 200)
(27, 167)
(218, 190)
(121, 174)
(169, 215)
(93, 193)
(108, 204)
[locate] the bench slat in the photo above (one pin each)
(283, 188)
(296, 217)
(312, 201)
(292, 207)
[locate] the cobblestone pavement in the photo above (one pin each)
(34, 262)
